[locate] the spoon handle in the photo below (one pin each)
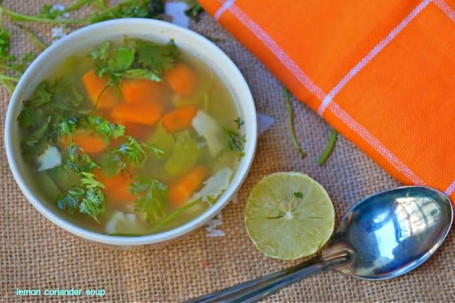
(256, 289)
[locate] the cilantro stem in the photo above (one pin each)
(76, 6)
(290, 124)
(328, 147)
(10, 87)
(9, 78)
(27, 18)
(173, 215)
(37, 42)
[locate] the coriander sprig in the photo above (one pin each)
(235, 139)
(151, 197)
(88, 197)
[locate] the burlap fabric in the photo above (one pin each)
(35, 254)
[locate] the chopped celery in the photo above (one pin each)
(184, 154)
(64, 178)
(45, 181)
(162, 139)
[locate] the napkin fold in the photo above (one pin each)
(381, 72)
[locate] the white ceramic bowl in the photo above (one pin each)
(81, 41)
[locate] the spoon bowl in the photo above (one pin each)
(384, 236)
(392, 232)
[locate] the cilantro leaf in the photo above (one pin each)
(141, 73)
(158, 58)
(130, 9)
(100, 57)
(298, 194)
(235, 140)
(71, 200)
(5, 37)
(78, 161)
(92, 203)
(123, 58)
(135, 152)
(88, 197)
(152, 197)
(40, 97)
(194, 11)
(103, 127)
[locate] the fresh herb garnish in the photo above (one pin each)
(101, 12)
(131, 153)
(298, 194)
(88, 197)
(152, 196)
(78, 161)
(37, 42)
(11, 68)
(194, 11)
(158, 58)
(328, 147)
(290, 124)
(118, 62)
(236, 140)
(103, 127)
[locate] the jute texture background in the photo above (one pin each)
(35, 254)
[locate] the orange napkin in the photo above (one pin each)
(382, 72)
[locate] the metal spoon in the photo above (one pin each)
(382, 237)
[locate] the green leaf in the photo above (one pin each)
(298, 195)
(194, 11)
(29, 117)
(88, 197)
(235, 142)
(40, 97)
(100, 57)
(88, 179)
(123, 58)
(152, 197)
(78, 161)
(71, 200)
(92, 203)
(158, 58)
(5, 37)
(103, 127)
(141, 73)
(68, 128)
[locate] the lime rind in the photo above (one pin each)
(284, 226)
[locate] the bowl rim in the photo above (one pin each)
(236, 182)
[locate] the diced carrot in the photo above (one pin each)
(109, 183)
(181, 190)
(142, 113)
(94, 86)
(179, 119)
(90, 143)
(116, 188)
(140, 91)
(182, 79)
(121, 193)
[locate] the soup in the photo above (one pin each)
(131, 138)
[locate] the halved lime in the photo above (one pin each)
(289, 215)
